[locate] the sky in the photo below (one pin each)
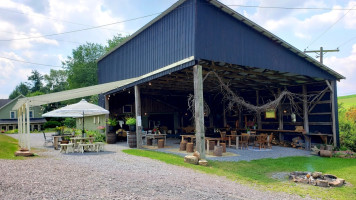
(24, 24)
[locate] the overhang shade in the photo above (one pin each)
(77, 110)
(92, 90)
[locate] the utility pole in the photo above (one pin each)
(321, 52)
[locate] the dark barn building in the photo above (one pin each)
(166, 55)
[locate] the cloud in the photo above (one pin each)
(346, 66)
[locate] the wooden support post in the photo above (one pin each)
(334, 113)
(199, 110)
(23, 125)
(224, 115)
(28, 146)
(106, 105)
(19, 124)
(305, 109)
(138, 117)
(280, 113)
(259, 123)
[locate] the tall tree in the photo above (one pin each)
(56, 81)
(21, 88)
(82, 67)
(36, 81)
(112, 43)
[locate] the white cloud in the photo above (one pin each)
(346, 66)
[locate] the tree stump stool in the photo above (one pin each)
(160, 143)
(218, 151)
(224, 147)
(183, 146)
(149, 141)
(211, 145)
(190, 147)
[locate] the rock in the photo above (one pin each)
(316, 174)
(337, 183)
(203, 162)
(191, 159)
(196, 154)
(322, 183)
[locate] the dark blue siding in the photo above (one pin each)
(167, 41)
(221, 37)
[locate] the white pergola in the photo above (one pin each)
(23, 105)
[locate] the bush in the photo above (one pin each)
(99, 137)
(12, 131)
(130, 121)
(69, 122)
(347, 127)
(51, 124)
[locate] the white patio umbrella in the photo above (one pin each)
(80, 109)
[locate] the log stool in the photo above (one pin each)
(149, 141)
(160, 143)
(224, 147)
(211, 145)
(190, 147)
(183, 146)
(218, 151)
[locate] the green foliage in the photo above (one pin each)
(99, 137)
(21, 88)
(69, 122)
(348, 101)
(130, 121)
(32, 94)
(112, 121)
(347, 128)
(56, 81)
(8, 147)
(51, 124)
(12, 131)
(116, 40)
(36, 80)
(258, 173)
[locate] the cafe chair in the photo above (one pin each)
(260, 141)
(233, 138)
(47, 139)
(244, 140)
(223, 136)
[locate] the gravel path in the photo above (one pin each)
(113, 175)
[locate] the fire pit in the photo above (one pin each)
(317, 179)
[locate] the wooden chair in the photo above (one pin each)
(260, 141)
(233, 139)
(269, 141)
(223, 136)
(244, 140)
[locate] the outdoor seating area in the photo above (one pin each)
(81, 145)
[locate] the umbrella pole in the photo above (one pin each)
(83, 126)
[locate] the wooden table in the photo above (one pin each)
(156, 137)
(237, 138)
(208, 139)
(56, 140)
(192, 137)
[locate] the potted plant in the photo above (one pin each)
(101, 129)
(131, 122)
(112, 122)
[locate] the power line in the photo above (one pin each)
(23, 61)
(347, 41)
(53, 19)
(27, 35)
(79, 30)
(293, 8)
(329, 28)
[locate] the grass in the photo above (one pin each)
(8, 146)
(258, 173)
(348, 101)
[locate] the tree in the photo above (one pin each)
(112, 43)
(21, 88)
(82, 66)
(56, 81)
(36, 79)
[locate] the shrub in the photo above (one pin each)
(99, 137)
(69, 122)
(347, 127)
(130, 121)
(12, 131)
(51, 124)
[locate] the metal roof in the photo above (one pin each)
(246, 21)
(91, 90)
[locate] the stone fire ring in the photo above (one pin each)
(317, 179)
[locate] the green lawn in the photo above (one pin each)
(347, 101)
(8, 146)
(259, 172)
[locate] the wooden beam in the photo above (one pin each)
(107, 107)
(138, 117)
(305, 109)
(333, 111)
(328, 83)
(28, 139)
(280, 112)
(259, 125)
(199, 110)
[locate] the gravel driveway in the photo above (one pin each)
(113, 175)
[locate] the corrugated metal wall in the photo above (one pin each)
(167, 41)
(220, 37)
